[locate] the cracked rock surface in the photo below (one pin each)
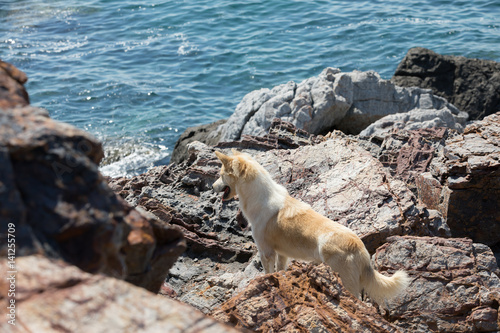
(463, 182)
(455, 285)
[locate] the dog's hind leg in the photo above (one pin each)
(281, 263)
(348, 271)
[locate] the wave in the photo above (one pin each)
(127, 158)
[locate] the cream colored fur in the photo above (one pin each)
(284, 227)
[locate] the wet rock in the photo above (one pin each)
(12, 92)
(464, 182)
(306, 298)
(345, 101)
(472, 85)
(52, 295)
(455, 285)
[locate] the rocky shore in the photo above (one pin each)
(412, 165)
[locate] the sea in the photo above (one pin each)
(136, 74)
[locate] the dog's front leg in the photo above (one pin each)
(281, 263)
(268, 258)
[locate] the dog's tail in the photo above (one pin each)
(380, 287)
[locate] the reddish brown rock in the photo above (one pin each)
(464, 182)
(52, 192)
(12, 92)
(407, 154)
(306, 298)
(53, 296)
(455, 285)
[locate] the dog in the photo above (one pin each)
(284, 227)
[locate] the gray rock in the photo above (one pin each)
(346, 101)
(202, 133)
(342, 181)
(413, 120)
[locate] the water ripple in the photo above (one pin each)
(136, 75)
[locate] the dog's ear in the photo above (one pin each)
(226, 160)
(235, 152)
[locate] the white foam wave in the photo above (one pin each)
(134, 161)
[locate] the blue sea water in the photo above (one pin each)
(137, 73)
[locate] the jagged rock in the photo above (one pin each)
(346, 101)
(306, 298)
(219, 245)
(407, 153)
(202, 133)
(464, 182)
(61, 206)
(282, 135)
(455, 285)
(12, 92)
(52, 295)
(472, 85)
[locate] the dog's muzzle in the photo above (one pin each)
(219, 186)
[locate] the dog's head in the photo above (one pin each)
(234, 170)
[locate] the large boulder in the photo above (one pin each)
(464, 182)
(56, 203)
(61, 205)
(342, 181)
(53, 296)
(455, 284)
(472, 85)
(306, 298)
(345, 101)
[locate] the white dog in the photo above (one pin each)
(284, 227)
